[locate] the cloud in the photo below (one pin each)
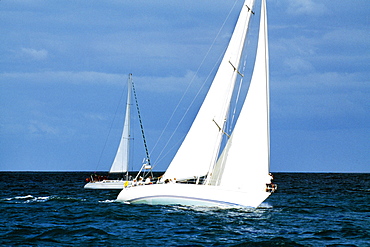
(348, 41)
(306, 7)
(40, 128)
(297, 65)
(82, 77)
(152, 84)
(91, 116)
(170, 84)
(329, 100)
(34, 54)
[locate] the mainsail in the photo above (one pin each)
(247, 151)
(200, 148)
(121, 161)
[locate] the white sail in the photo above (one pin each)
(200, 148)
(121, 161)
(244, 163)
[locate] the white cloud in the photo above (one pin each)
(298, 65)
(348, 37)
(40, 128)
(170, 84)
(34, 54)
(328, 99)
(309, 7)
(92, 116)
(86, 77)
(157, 84)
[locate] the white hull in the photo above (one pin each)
(106, 185)
(191, 195)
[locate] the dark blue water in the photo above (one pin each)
(53, 209)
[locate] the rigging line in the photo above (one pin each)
(141, 122)
(191, 82)
(110, 129)
(188, 109)
(161, 157)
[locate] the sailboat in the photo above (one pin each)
(121, 161)
(202, 173)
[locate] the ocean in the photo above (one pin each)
(309, 209)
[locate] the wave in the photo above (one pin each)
(108, 201)
(17, 198)
(23, 197)
(32, 199)
(58, 235)
(263, 207)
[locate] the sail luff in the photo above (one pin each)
(244, 163)
(121, 160)
(200, 147)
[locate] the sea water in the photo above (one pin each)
(53, 209)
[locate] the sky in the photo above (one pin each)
(64, 68)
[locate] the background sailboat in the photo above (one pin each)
(240, 175)
(121, 161)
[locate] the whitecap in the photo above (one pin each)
(41, 199)
(23, 197)
(6, 199)
(108, 201)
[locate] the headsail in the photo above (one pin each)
(200, 147)
(244, 163)
(121, 161)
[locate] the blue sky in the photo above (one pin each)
(64, 66)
